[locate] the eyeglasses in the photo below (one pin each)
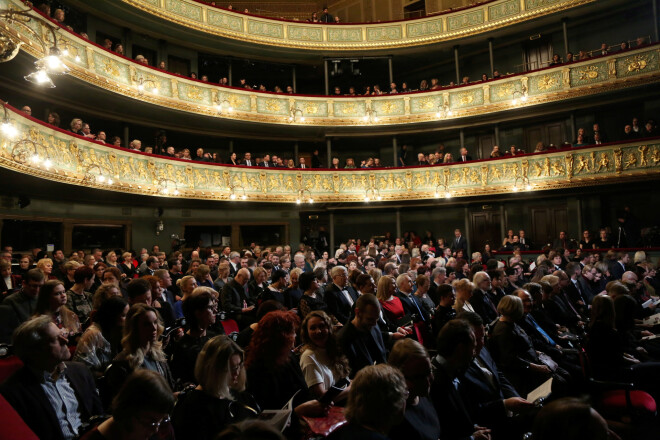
(156, 425)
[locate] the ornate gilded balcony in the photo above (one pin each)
(106, 70)
(475, 20)
(31, 147)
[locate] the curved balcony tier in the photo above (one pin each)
(55, 155)
(202, 20)
(122, 76)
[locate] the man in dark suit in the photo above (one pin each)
(464, 156)
(338, 297)
(53, 397)
(302, 163)
(234, 263)
(266, 162)
(481, 300)
(489, 396)
(247, 161)
(456, 344)
(326, 17)
(563, 242)
(24, 302)
(411, 305)
(459, 243)
(234, 299)
(361, 339)
(618, 268)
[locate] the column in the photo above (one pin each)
(390, 69)
(230, 80)
(656, 34)
(458, 72)
(573, 129)
(497, 137)
(466, 214)
(293, 79)
(332, 234)
(296, 154)
(127, 41)
(231, 146)
(395, 154)
(565, 31)
(502, 222)
(399, 233)
(162, 52)
(461, 135)
(325, 74)
(490, 54)
(328, 144)
(126, 136)
(579, 217)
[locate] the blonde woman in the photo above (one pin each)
(186, 285)
(391, 304)
(142, 348)
(45, 265)
(220, 398)
(463, 290)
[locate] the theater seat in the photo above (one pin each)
(618, 402)
(230, 326)
(8, 366)
(13, 427)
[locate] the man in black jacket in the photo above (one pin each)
(338, 297)
(53, 397)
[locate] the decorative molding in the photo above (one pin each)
(301, 35)
(65, 158)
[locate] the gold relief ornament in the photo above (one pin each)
(110, 67)
(655, 156)
(504, 91)
(495, 171)
(465, 98)
(388, 107)
(557, 168)
(194, 93)
(582, 164)
(643, 151)
(631, 161)
(348, 108)
(547, 82)
(273, 105)
(409, 181)
(484, 175)
(603, 162)
(425, 104)
(637, 63)
(588, 73)
(618, 160)
(311, 109)
(569, 165)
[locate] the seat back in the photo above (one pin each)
(13, 426)
(9, 366)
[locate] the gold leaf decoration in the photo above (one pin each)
(273, 106)
(194, 93)
(465, 98)
(589, 72)
(349, 108)
(547, 82)
(111, 68)
(637, 63)
(426, 104)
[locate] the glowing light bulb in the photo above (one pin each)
(515, 188)
(311, 200)
(36, 158)
(447, 195)
(366, 198)
(232, 196)
(528, 187)
(48, 163)
(243, 197)
(110, 181)
(450, 113)
(101, 178)
(176, 192)
(437, 195)
(154, 90)
(298, 201)
(9, 130)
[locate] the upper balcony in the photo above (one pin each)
(364, 114)
(200, 25)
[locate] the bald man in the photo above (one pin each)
(236, 302)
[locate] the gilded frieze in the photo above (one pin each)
(589, 73)
(185, 9)
(305, 33)
(431, 27)
(467, 20)
(344, 34)
(503, 9)
(638, 64)
(537, 4)
(257, 27)
(384, 33)
(224, 20)
(544, 83)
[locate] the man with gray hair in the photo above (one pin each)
(482, 301)
(234, 263)
(53, 397)
(438, 277)
(338, 297)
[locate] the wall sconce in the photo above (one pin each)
(372, 194)
(371, 115)
(519, 95)
(50, 64)
(95, 174)
(224, 106)
(444, 111)
(8, 127)
(442, 189)
(143, 84)
(167, 187)
(304, 194)
(296, 115)
(524, 183)
(236, 191)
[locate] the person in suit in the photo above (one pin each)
(339, 299)
(618, 268)
(459, 243)
(234, 299)
(9, 282)
(361, 339)
(455, 344)
(488, 394)
(266, 162)
(234, 263)
(53, 397)
(24, 302)
(464, 156)
(302, 163)
(481, 300)
(563, 242)
(411, 304)
(326, 17)
(247, 160)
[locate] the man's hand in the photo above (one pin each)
(247, 309)
(517, 404)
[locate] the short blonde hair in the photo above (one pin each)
(463, 285)
(511, 306)
(42, 263)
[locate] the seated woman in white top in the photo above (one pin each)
(321, 362)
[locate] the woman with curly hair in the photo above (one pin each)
(52, 301)
(322, 364)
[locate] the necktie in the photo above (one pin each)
(568, 301)
(540, 330)
(302, 166)
(577, 286)
(421, 315)
(348, 297)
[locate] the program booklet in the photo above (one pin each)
(279, 418)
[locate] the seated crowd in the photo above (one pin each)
(409, 336)
(58, 17)
(442, 155)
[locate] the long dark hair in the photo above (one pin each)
(338, 361)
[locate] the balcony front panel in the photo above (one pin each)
(300, 35)
(55, 155)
